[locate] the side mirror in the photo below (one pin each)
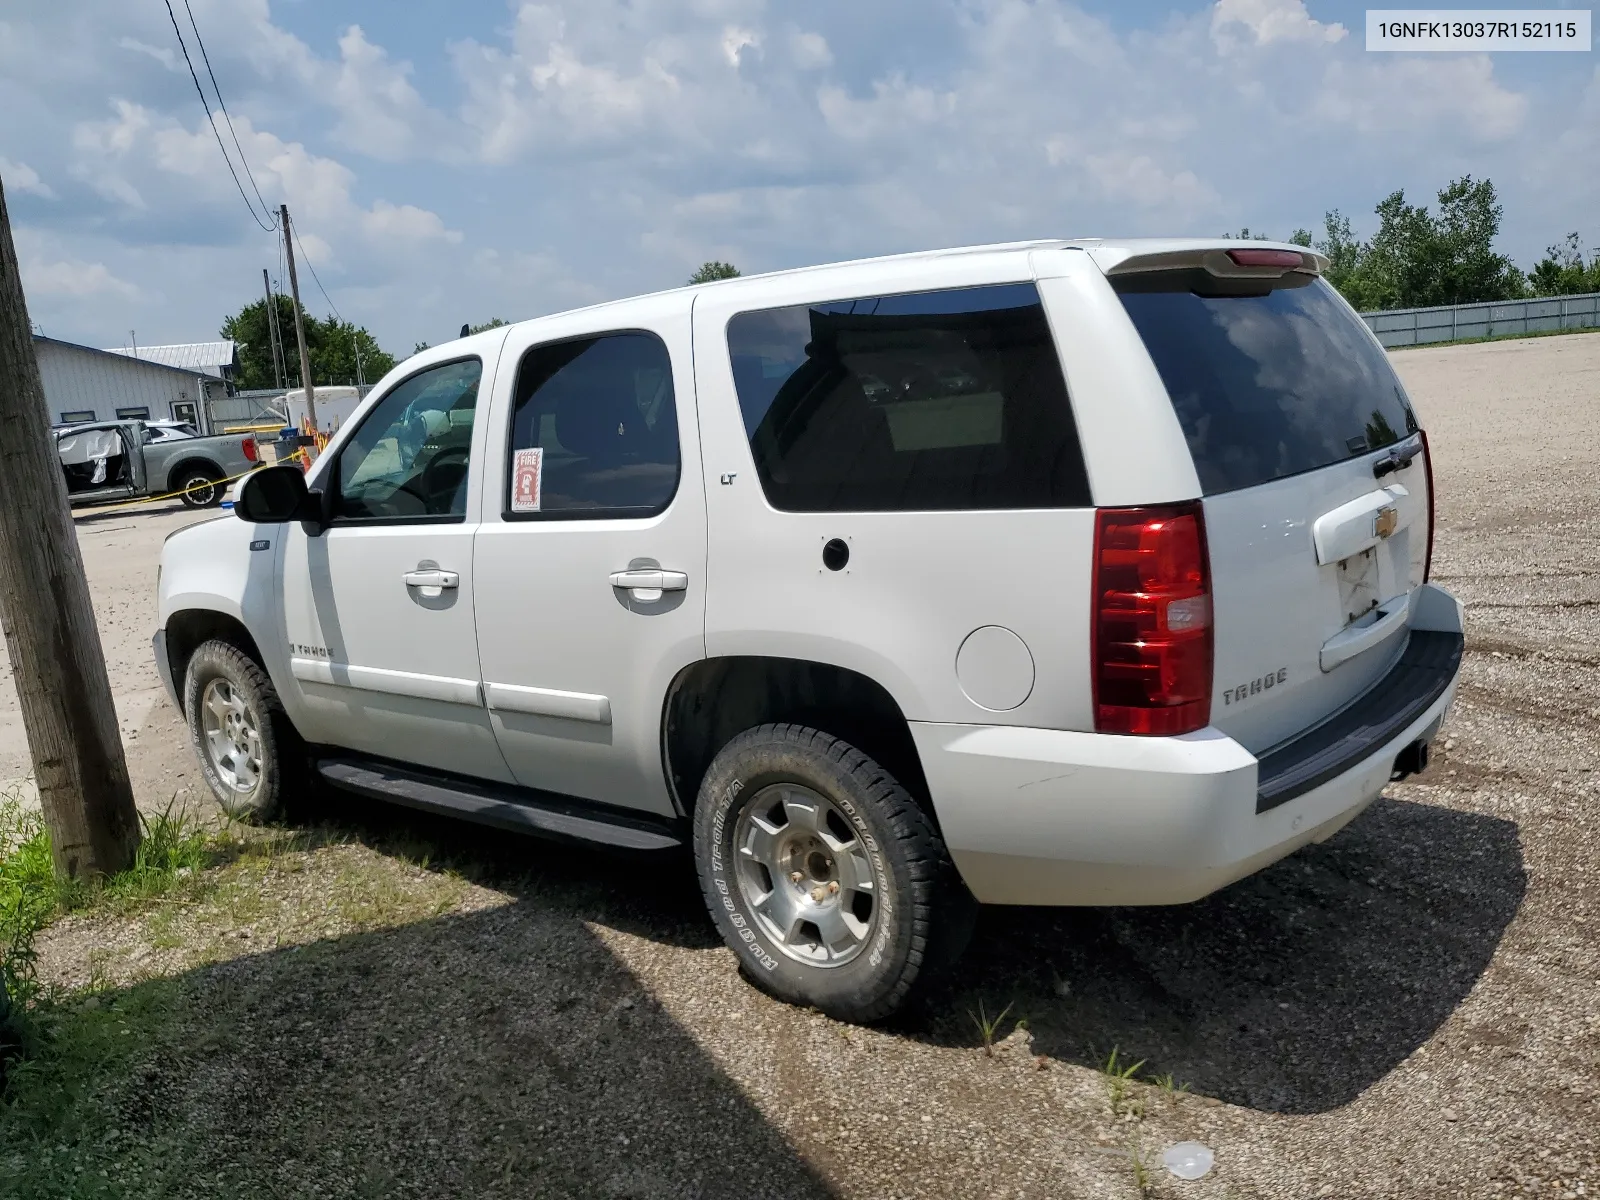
(272, 495)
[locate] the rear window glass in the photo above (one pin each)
(923, 401)
(1267, 386)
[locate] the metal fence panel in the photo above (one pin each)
(1420, 326)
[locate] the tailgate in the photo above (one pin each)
(1310, 597)
(1316, 488)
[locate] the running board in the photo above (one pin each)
(520, 810)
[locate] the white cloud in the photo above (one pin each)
(405, 223)
(174, 160)
(74, 280)
(380, 111)
(736, 41)
(164, 55)
(20, 177)
(1138, 179)
(810, 51)
(1269, 21)
(1421, 92)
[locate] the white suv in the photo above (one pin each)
(1053, 573)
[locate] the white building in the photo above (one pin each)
(85, 384)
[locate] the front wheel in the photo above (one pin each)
(200, 488)
(823, 875)
(249, 753)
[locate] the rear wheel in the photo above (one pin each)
(823, 875)
(249, 753)
(200, 487)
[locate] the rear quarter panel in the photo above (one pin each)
(225, 452)
(918, 584)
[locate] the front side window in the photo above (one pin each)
(409, 459)
(594, 430)
(923, 401)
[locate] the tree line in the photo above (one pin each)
(1420, 258)
(341, 352)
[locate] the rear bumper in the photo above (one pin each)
(1036, 816)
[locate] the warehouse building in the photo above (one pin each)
(85, 384)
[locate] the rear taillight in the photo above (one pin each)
(1427, 468)
(1152, 620)
(249, 447)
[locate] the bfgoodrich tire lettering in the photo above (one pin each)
(249, 753)
(920, 913)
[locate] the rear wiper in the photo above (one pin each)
(1397, 459)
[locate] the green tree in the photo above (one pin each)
(1418, 259)
(711, 271)
(1347, 260)
(1301, 237)
(1244, 235)
(347, 353)
(491, 323)
(340, 351)
(1562, 271)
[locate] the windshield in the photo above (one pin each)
(1267, 385)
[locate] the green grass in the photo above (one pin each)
(174, 850)
(1120, 1078)
(1498, 337)
(988, 1026)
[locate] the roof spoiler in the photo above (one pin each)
(1234, 262)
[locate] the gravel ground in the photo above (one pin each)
(1406, 1011)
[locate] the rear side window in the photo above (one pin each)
(594, 430)
(1266, 386)
(922, 401)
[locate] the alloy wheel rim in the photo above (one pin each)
(804, 874)
(232, 736)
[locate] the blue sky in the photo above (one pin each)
(452, 163)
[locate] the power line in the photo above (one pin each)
(243, 161)
(255, 216)
(355, 342)
(313, 270)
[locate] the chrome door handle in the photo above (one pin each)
(432, 578)
(650, 579)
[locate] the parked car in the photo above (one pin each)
(117, 460)
(1063, 573)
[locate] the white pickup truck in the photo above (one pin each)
(1053, 573)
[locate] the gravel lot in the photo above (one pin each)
(1406, 1011)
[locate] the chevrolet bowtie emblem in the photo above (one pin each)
(1384, 522)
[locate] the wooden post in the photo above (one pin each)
(50, 631)
(272, 331)
(300, 332)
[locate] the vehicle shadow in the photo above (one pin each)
(501, 1052)
(1292, 991)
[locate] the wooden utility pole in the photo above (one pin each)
(51, 636)
(272, 331)
(300, 330)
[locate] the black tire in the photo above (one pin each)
(200, 487)
(280, 772)
(921, 913)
